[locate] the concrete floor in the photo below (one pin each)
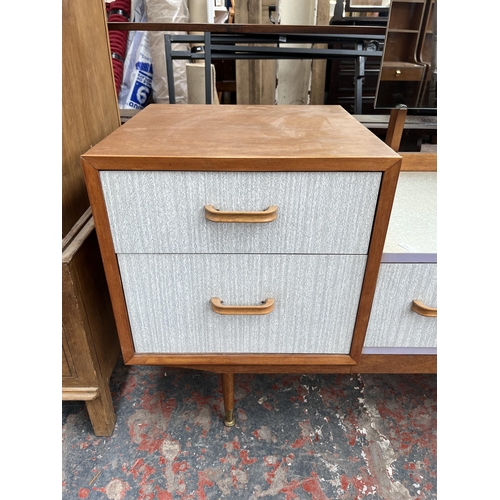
(296, 437)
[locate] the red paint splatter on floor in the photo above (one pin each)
(332, 395)
(203, 481)
(309, 485)
(83, 493)
(244, 458)
(129, 386)
(302, 393)
(351, 422)
(275, 464)
(344, 482)
(312, 486)
(163, 495)
(235, 444)
(180, 467)
(305, 436)
(301, 441)
(149, 434)
(140, 467)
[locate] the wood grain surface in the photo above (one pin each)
(89, 105)
(200, 137)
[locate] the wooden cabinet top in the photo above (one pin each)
(204, 137)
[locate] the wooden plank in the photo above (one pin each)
(89, 103)
(77, 240)
(281, 360)
(369, 363)
(354, 164)
(396, 363)
(73, 232)
(79, 393)
(242, 68)
(318, 75)
(244, 368)
(411, 122)
(419, 162)
(76, 334)
(241, 27)
(268, 66)
(255, 80)
(68, 367)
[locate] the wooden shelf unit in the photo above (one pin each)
(407, 54)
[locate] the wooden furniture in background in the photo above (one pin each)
(90, 346)
(89, 113)
(427, 55)
(408, 42)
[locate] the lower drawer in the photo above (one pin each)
(168, 301)
(392, 322)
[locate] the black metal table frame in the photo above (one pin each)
(220, 46)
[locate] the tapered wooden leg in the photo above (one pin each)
(228, 393)
(101, 412)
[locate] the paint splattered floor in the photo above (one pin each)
(296, 437)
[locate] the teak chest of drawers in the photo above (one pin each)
(242, 238)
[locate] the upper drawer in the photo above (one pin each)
(318, 212)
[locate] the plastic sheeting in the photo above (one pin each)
(167, 11)
(137, 81)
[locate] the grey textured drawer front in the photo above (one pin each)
(392, 322)
(168, 300)
(318, 212)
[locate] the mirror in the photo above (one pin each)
(408, 72)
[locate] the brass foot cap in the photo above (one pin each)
(229, 419)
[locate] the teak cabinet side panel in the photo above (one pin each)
(109, 260)
(379, 231)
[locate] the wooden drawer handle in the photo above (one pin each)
(214, 215)
(219, 308)
(419, 307)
